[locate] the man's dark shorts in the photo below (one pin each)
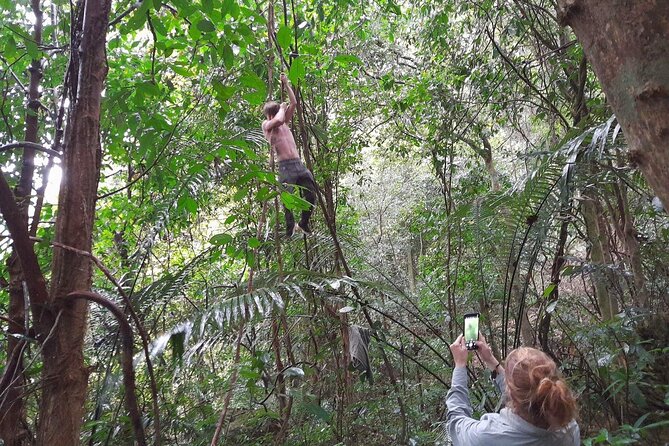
(294, 172)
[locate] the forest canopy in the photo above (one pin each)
(507, 158)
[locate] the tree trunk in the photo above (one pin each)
(624, 225)
(12, 405)
(602, 281)
(65, 376)
(12, 424)
(627, 43)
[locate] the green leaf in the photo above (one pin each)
(264, 193)
(297, 71)
(347, 59)
(220, 239)
(254, 243)
(318, 411)
(223, 92)
(549, 289)
(148, 89)
(230, 7)
(248, 373)
(206, 26)
(228, 56)
(208, 6)
(394, 7)
(252, 80)
(284, 37)
(188, 204)
(240, 194)
(255, 98)
(32, 49)
(183, 71)
(293, 202)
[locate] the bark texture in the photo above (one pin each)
(627, 43)
(65, 376)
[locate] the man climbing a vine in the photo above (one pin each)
(291, 169)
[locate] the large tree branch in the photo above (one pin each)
(35, 282)
(10, 370)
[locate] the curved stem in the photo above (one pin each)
(140, 329)
(126, 359)
(29, 145)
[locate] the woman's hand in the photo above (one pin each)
(486, 354)
(459, 351)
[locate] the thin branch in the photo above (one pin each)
(121, 16)
(29, 145)
(527, 81)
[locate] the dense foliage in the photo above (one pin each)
(466, 160)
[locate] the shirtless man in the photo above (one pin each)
(291, 170)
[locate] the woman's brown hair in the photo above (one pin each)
(536, 389)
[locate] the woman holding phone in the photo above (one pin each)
(540, 408)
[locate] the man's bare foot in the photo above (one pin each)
(303, 227)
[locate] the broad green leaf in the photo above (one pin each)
(206, 26)
(230, 7)
(228, 56)
(183, 71)
(293, 202)
(255, 98)
(318, 411)
(240, 194)
(188, 204)
(223, 92)
(32, 49)
(347, 59)
(148, 89)
(207, 6)
(265, 193)
(252, 80)
(220, 239)
(284, 36)
(297, 71)
(254, 243)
